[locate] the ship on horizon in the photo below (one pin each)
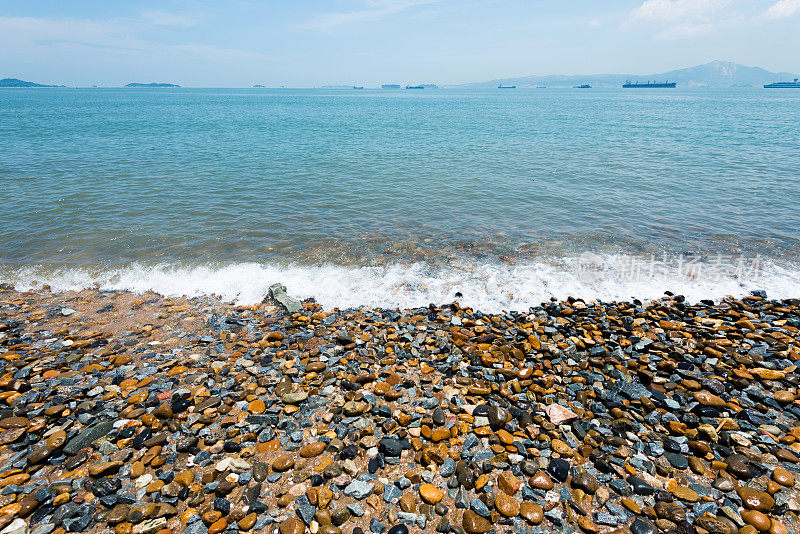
(584, 86)
(784, 85)
(501, 86)
(649, 85)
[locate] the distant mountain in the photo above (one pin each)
(13, 82)
(423, 86)
(714, 74)
(135, 84)
(725, 74)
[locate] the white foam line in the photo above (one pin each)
(488, 287)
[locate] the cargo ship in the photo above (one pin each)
(648, 85)
(415, 87)
(784, 85)
(584, 86)
(506, 86)
(358, 87)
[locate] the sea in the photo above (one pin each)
(497, 199)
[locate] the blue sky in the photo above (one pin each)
(305, 43)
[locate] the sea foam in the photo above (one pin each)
(488, 287)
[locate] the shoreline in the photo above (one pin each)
(487, 286)
(149, 414)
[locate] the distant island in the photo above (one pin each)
(716, 74)
(14, 82)
(135, 84)
(384, 86)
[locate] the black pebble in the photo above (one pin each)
(643, 526)
(559, 469)
(640, 487)
(349, 452)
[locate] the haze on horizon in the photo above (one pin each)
(306, 43)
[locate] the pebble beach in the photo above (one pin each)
(141, 414)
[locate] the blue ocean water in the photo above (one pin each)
(387, 197)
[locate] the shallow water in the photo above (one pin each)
(386, 197)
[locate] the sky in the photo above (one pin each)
(310, 43)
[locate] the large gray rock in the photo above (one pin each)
(86, 437)
(358, 489)
(278, 293)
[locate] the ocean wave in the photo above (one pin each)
(488, 287)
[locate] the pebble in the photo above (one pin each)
(313, 449)
(430, 493)
(755, 499)
(506, 505)
(586, 482)
(532, 512)
(714, 525)
(283, 463)
(670, 511)
(777, 527)
(542, 481)
(473, 523)
(641, 525)
(640, 486)
(558, 469)
(231, 418)
(479, 507)
(782, 476)
(358, 489)
(709, 399)
(685, 493)
(559, 414)
(291, 525)
(508, 483)
(498, 417)
(760, 521)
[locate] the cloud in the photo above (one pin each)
(677, 10)
(783, 9)
(32, 31)
(684, 30)
(594, 23)
(374, 10)
(215, 53)
(115, 36)
(162, 18)
(678, 19)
